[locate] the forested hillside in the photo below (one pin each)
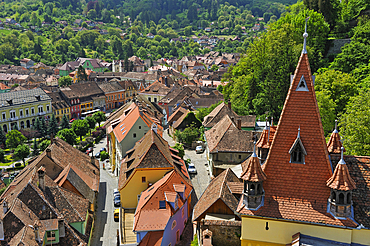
(260, 81)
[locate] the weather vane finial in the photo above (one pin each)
(305, 35)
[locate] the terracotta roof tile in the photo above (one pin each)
(253, 171)
(341, 179)
(152, 238)
(285, 198)
(334, 144)
(217, 189)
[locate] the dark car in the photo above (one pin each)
(117, 201)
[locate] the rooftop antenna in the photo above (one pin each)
(305, 35)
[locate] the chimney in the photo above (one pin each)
(36, 230)
(48, 152)
(229, 104)
(239, 124)
(51, 138)
(212, 83)
(41, 172)
(5, 207)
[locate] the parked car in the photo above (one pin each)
(89, 150)
(116, 193)
(191, 168)
(199, 149)
(116, 215)
(97, 155)
(103, 149)
(73, 119)
(117, 201)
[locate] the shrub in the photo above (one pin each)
(104, 155)
(2, 155)
(95, 134)
(83, 143)
(18, 164)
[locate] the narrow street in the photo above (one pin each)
(105, 231)
(200, 180)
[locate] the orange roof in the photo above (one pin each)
(152, 238)
(334, 144)
(266, 137)
(148, 215)
(297, 191)
(4, 87)
(253, 171)
(341, 180)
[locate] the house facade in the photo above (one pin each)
(60, 106)
(19, 109)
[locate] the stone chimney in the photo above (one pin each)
(229, 104)
(5, 206)
(41, 172)
(239, 124)
(48, 152)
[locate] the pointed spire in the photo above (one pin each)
(305, 35)
(341, 179)
(334, 145)
(254, 150)
(253, 171)
(266, 128)
(299, 132)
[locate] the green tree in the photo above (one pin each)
(180, 148)
(91, 14)
(81, 74)
(68, 135)
(355, 125)
(99, 117)
(2, 155)
(339, 86)
(188, 135)
(91, 122)
(35, 148)
(21, 152)
(44, 144)
(104, 155)
(327, 110)
(43, 127)
(188, 31)
(80, 127)
(53, 126)
(14, 138)
(2, 137)
(64, 124)
(65, 81)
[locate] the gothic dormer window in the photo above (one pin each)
(297, 151)
(302, 85)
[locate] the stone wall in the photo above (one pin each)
(223, 232)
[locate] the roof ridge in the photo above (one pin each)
(61, 191)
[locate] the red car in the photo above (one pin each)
(88, 151)
(73, 119)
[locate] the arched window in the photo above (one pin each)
(341, 198)
(252, 190)
(333, 196)
(349, 198)
(28, 125)
(22, 124)
(5, 128)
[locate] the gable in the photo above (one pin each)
(154, 159)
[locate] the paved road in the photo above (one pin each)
(105, 231)
(201, 179)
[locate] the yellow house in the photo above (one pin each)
(59, 105)
(300, 196)
(145, 164)
(19, 109)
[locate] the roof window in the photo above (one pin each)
(302, 85)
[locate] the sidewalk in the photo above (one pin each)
(169, 139)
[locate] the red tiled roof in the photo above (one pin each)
(334, 144)
(253, 171)
(148, 215)
(295, 191)
(266, 137)
(152, 238)
(341, 179)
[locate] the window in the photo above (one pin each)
(41, 109)
(32, 111)
(162, 204)
(155, 99)
(173, 224)
(4, 116)
(297, 155)
(58, 112)
(27, 113)
(149, 99)
(297, 151)
(240, 156)
(178, 236)
(139, 127)
(143, 179)
(21, 112)
(302, 86)
(50, 235)
(12, 114)
(183, 212)
(115, 97)
(122, 95)
(47, 108)
(134, 135)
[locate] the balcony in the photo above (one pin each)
(14, 118)
(41, 113)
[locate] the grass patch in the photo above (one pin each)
(6, 32)
(8, 161)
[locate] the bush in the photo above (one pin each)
(89, 139)
(44, 144)
(83, 143)
(97, 140)
(18, 164)
(2, 190)
(101, 129)
(180, 148)
(104, 155)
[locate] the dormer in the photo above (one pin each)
(297, 151)
(341, 185)
(172, 199)
(253, 177)
(180, 189)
